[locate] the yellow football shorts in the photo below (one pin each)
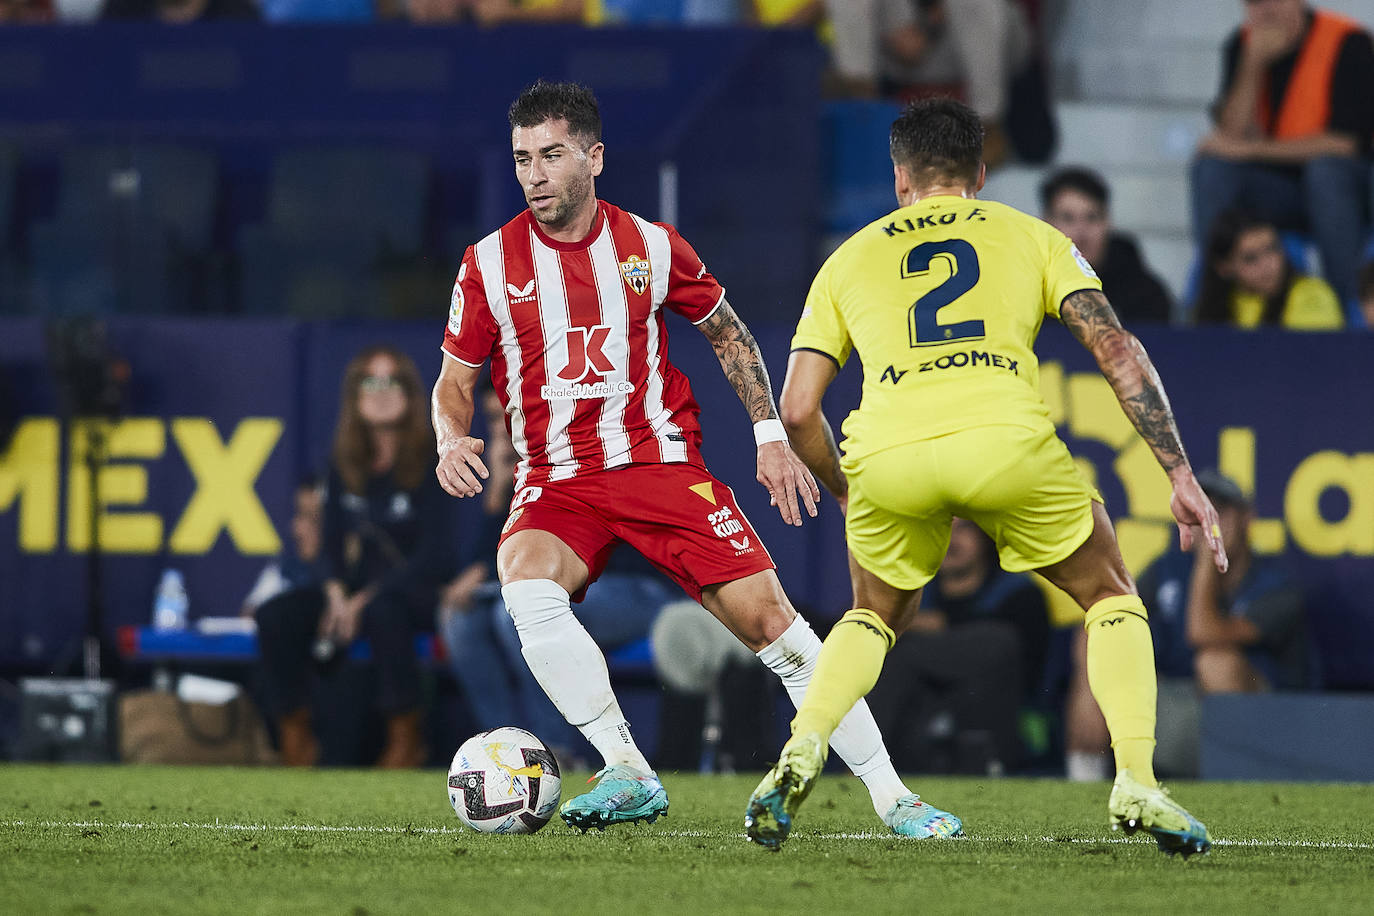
(1019, 484)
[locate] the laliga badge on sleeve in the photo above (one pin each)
(1083, 264)
(455, 305)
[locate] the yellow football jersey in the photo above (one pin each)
(1311, 305)
(942, 301)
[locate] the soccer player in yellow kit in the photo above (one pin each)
(942, 300)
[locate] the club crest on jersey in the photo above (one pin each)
(635, 270)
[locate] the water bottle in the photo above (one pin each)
(170, 606)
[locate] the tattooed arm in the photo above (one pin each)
(787, 480)
(1090, 318)
(743, 363)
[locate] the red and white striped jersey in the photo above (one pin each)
(575, 333)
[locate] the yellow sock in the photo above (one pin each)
(1121, 673)
(850, 661)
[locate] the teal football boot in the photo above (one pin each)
(622, 794)
(911, 817)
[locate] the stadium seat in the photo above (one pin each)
(337, 220)
(78, 270)
(317, 10)
(131, 228)
(345, 195)
(857, 163)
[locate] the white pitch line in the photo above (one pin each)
(676, 834)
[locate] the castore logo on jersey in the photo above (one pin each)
(521, 294)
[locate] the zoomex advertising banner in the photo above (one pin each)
(194, 419)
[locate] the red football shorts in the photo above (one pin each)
(678, 516)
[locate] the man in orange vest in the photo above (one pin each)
(1293, 128)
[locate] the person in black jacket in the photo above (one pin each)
(1076, 201)
(387, 543)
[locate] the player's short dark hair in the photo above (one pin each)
(571, 102)
(938, 139)
(1075, 178)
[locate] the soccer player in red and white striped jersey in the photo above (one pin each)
(567, 301)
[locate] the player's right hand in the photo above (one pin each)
(1197, 518)
(460, 469)
(789, 484)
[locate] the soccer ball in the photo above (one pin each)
(504, 781)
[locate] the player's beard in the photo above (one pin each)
(578, 190)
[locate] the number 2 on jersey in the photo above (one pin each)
(923, 318)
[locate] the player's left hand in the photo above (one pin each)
(788, 482)
(1197, 519)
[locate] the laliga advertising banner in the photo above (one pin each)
(223, 416)
(1287, 415)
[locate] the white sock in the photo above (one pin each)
(1086, 766)
(567, 663)
(792, 657)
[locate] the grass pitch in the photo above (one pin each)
(88, 839)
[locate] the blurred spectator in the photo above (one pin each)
(175, 12)
(1293, 126)
(791, 13)
(1077, 202)
(480, 637)
(1244, 628)
(915, 47)
(1366, 294)
(1086, 740)
(952, 687)
(25, 11)
(1240, 631)
(1248, 281)
(601, 12)
(469, 603)
(385, 543)
(496, 12)
(297, 568)
(435, 12)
